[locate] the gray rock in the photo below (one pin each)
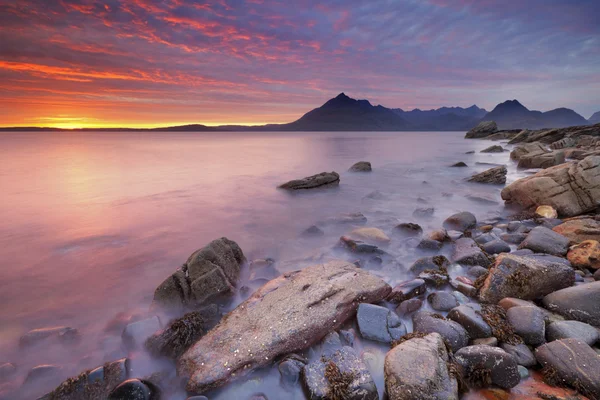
(429, 244)
(477, 271)
(466, 252)
(358, 246)
(7, 370)
(493, 149)
(545, 160)
(483, 129)
(442, 301)
(451, 331)
(409, 229)
(485, 238)
(42, 373)
(324, 179)
(135, 389)
(523, 372)
(544, 240)
(408, 306)
(496, 247)
(290, 369)
(407, 290)
(361, 166)
(297, 309)
(424, 212)
(528, 322)
(521, 353)
(572, 330)
(63, 333)
(429, 263)
(494, 176)
(379, 323)
(462, 221)
(468, 315)
(135, 334)
(578, 302)
(356, 218)
(513, 238)
(501, 367)
(459, 164)
(517, 227)
(418, 369)
(346, 362)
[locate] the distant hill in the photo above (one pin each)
(513, 115)
(443, 119)
(595, 119)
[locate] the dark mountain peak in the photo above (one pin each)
(342, 96)
(595, 118)
(342, 100)
(511, 105)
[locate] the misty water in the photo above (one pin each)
(93, 222)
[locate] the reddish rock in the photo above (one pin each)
(585, 255)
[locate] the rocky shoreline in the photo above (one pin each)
(511, 311)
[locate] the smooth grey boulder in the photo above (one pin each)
(409, 306)
(135, 389)
(295, 311)
(468, 315)
(572, 330)
(407, 290)
(361, 166)
(324, 179)
(379, 323)
(521, 353)
(496, 247)
(483, 129)
(544, 240)
(466, 252)
(462, 221)
(501, 367)
(494, 176)
(427, 322)
(344, 362)
(34, 336)
(528, 322)
(578, 302)
(525, 277)
(418, 369)
(442, 301)
(290, 369)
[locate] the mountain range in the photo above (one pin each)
(343, 113)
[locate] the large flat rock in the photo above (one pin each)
(288, 314)
(324, 179)
(581, 303)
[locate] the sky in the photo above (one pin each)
(146, 63)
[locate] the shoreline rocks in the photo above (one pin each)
(361, 166)
(494, 176)
(324, 179)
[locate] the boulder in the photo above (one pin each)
(495, 176)
(135, 389)
(545, 160)
(563, 143)
(418, 369)
(527, 150)
(361, 166)
(409, 229)
(466, 252)
(34, 336)
(459, 164)
(571, 362)
(288, 314)
(469, 316)
(572, 330)
(544, 240)
(42, 373)
(521, 353)
(370, 235)
(343, 374)
(208, 274)
(407, 290)
(324, 179)
(462, 221)
(408, 306)
(379, 323)
(429, 263)
(579, 230)
(493, 149)
(486, 365)
(521, 137)
(358, 246)
(571, 188)
(177, 337)
(423, 212)
(528, 322)
(427, 322)
(290, 369)
(496, 247)
(442, 301)
(483, 129)
(585, 255)
(525, 277)
(578, 302)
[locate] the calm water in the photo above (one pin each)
(93, 222)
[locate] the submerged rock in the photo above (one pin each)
(407, 290)
(577, 302)
(459, 164)
(495, 176)
(462, 221)
(493, 149)
(486, 365)
(324, 179)
(409, 229)
(288, 314)
(424, 212)
(361, 166)
(7, 370)
(177, 337)
(136, 333)
(370, 234)
(379, 324)
(135, 389)
(429, 263)
(358, 246)
(64, 333)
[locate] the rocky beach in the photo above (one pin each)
(502, 304)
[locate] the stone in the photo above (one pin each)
(348, 337)
(579, 230)
(466, 289)
(408, 306)
(468, 315)
(513, 238)
(313, 231)
(462, 221)
(571, 188)
(546, 212)
(497, 366)
(42, 373)
(466, 252)
(409, 229)
(485, 238)
(528, 322)
(34, 336)
(527, 150)
(597, 275)
(494, 176)
(429, 263)
(578, 302)
(442, 301)
(459, 164)
(563, 143)
(209, 274)
(177, 337)
(424, 212)
(517, 227)
(324, 179)
(135, 389)
(496, 247)
(510, 302)
(7, 370)
(441, 235)
(379, 323)
(493, 149)
(545, 160)
(521, 353)
(263, 269)
(370, 235)
(418, 369)
(429, 244)
(477, 271)
(435, 278)
(427, 322)
(361, 166)
(483, 129)
(288, 314)
(290, 370)
(544, 240)
(407, 290)
(491, 341)
(525, 277)
(572, 330)
(585, 255)
(358, 246)
(571, 362)
(344, 364)
(356, 218)
(135, 334)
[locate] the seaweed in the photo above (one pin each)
(408, 336)
(480, 280)
(178, 337)
(339, 382)
(495, 317)
(479, 376)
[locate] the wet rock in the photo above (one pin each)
(208, 274)
(528, 322)
(571, 362)
(42, 373)
(464, 279)
(429, 263)
(418, 369)
(290, 369)
(493, 149)
(517, 227)
(407, 290)
(525, 277)
(357, 246)
(409, 229)
(483, 129)
(135, 389)
(571, 188)
(424, 212)
(585, 255)
(408, 306)
(487, 365)
(510, 302)
(136, 333)
(454, 235)
(521, 353)
(370, 235)
(427, 322)
(485, 238)
(378, 323)
(466, 289)
(376, 195)
(64, 333)
(468, 315)
(527, 150)
(579, 230)
(324, 179)
(429, 244)
(572, 330)
(546, 212)
(435, 278)
(441, 235)
(462, 221)
(177, 337)
(544, 240)
(7, 370)
(459, 164)
(545, 160)
(361, 166)
(496, 247)
(597, 275)
(466, 252)
(263, 269)
(442, 301)
(483, 199)
(495, 176)
(513, 238)
(197, 398)
(356, 218)
(477, 271)
(345, 372)
(301, 307)
(578, 302)
(491, 341)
